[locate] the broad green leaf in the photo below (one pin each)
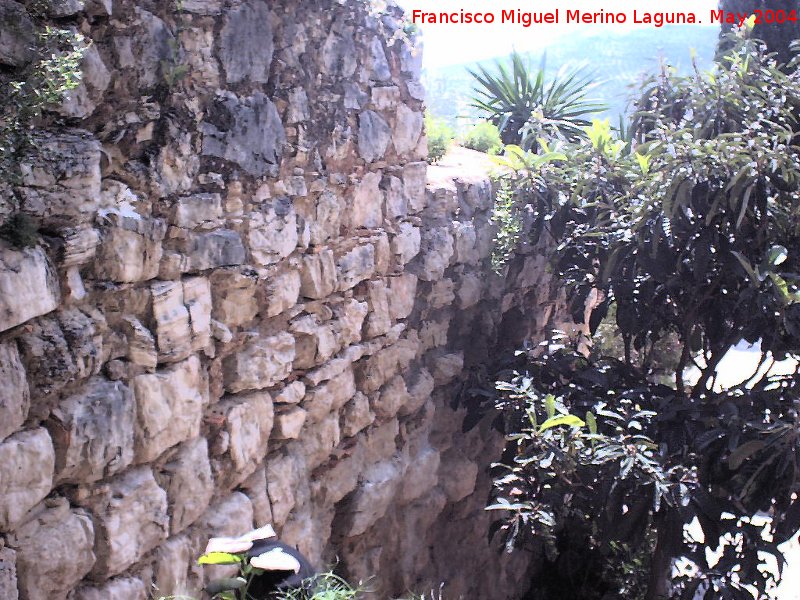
(219, 558)
(591, 422)
(570, 420)
(550, 405)
(743, 452)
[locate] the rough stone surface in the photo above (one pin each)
(27, 462)
(28, 286)
(15, 397)
(187, 479)
(262, 363)
(8, 574)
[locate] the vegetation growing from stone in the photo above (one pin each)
(524, 104)
(690, 230)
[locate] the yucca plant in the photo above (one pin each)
(525, 104)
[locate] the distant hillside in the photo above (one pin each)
(617, 61)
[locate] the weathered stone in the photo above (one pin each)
(15, 397)
(246, 42)
(291, 394)
(79, 245)
(262, 363)
(285, 474)
(329, 397)
(82, 101)
(354, 97)
(465, 243)
(447, 367)
(282, 292)
(457, 475)
(247, 132)
(141, 343)
(356, 415)
(169, 408)
(131, 248)
(28, 286)
(27, 462)
(325, 221)
(61, 177)
(355, 266)
(289, 423)
(442, 293)
(395, 202)
(8, 574)
(145, 55)
(371, 499)
(230, 517)
(470, 290)
(130, 518)
(414, 175)
(219, 248)
(255, 487)
(385, 97)
(317, 448)
(120, 588)
(298, 106)
(248, 422)
(379, 66)
(55, 550)
(420, 386)
(92, 432)
(378, 319)
(172, 560)
(349, 319)
(202, 7)
(314, 342)
(421, 474)
(391, 397)
(187, 479)
(338, 53)
(407, 129)
(406, 243)
(373, 136)
(435, 255)
(272, 233)
(318, 276)
(197, 211)
(182, 312)
(234, 297)
(402, 293)
(367, 200)
(433, 333)
(17, 35)
(373, 372)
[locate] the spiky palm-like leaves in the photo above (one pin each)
(524, 103)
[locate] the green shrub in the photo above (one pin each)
(440, 136)
(484, 137)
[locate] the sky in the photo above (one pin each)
(459, 43)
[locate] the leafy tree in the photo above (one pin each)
(691, 231)
(523, 103)
(777, 28)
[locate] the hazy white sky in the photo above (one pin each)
(458, 43)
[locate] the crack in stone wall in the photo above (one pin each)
(252, 302)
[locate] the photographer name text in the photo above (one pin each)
(599, 17)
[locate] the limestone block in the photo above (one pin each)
(383, 253)
(407, 129)
(272, 232)
(141, 343)
(470, 290)
(130, 519)
(355, 266)
(433, 333)
(233, 297)
(420, 386)
(441, 294)
(171, 573)
(379, 321)
(28, 285)
(406, 243)
(182, 313)
(92, 432)
(380, 441)
(169, 407)
(373, 136)
(291, 394)
(411, 62)
(367, 202)
(286, 473)
(371, 500)
(318, 275)
(414, 180)
(187, 479)
(391, 397)
(246, 131)
(435, 254)
(447, 367)
(373, 372)
(354, 97)
(457, 475)
(131, 248)
(141, 53)
(402, 294)
(27, 461)
(421, 474)
(282, 292)
(220, 248)
(120, 588)
(248, 422)
(246, 42)
(314, 342)
(385, 97)
(79, 245)
(197, 211)
(466, 243)
(61, 177)
(378, 65)
(202, 7)
(8, 574)
(262, 363)
(255, 487)
(55, 551)
(330, 396)
(230, 517)
(350, 317)
(81, 101)
(318, 446)
(356, 415)
(15, 398)
(326, 219)
(288, 423)
(17, 36)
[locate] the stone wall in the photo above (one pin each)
(245, 307)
